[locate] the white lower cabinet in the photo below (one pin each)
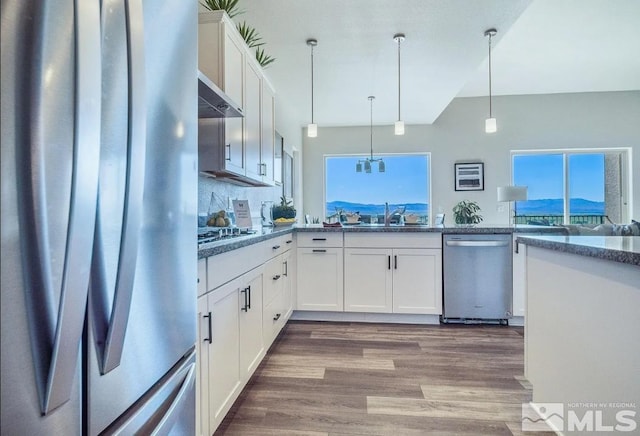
(220, 352)
(320, 279)
(393, 280)
(238, 319)
(417, 281)
(368, 285)
(277, 291)
(230, 345)
(252, 347)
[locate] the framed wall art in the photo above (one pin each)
(469, 176)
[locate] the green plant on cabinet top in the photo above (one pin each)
(248, 33)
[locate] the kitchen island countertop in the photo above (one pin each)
(624, 249)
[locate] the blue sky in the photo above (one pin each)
(543, 175)
(404, 180)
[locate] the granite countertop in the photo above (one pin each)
(477, 229)
(624, 249)
(224, 245)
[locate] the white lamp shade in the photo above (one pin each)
(490, 125)
(312, 130)
(399, 130)
(512, 193)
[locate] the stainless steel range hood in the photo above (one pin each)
(213, 102)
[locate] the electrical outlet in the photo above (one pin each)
(501, 208)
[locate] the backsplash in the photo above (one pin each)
(207, 185)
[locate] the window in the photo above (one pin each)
(405, 185)
(577, 187)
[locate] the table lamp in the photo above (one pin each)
(512, 193)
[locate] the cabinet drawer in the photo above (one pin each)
(393, 240)
(273, 278)
(202, 277)
(319, 239)
(227, 266)
(273, 318)
(280, 244)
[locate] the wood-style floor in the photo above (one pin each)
(385, 379)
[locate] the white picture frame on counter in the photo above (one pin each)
(469, 176)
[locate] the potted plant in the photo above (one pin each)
(248, 33)
(284, 211)
(466, 213)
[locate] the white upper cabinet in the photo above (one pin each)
(240, 149)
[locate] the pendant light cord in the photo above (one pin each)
(371, 126)
(490, 106)
(399, 42)
(312, 84)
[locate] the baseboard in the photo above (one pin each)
(390, 318)
(517, 321)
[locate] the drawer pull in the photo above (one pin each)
(277, 317)
(276, 277)
(275, 247)
(319, 251)
(319, 239)
(289, 241)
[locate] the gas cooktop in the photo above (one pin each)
(213, 234)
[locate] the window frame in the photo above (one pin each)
(378, 155)
(626, 175)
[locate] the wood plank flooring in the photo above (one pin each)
(339, 379)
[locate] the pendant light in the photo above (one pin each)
(399, 125)
(490, 125)
(312, 128)
(369, 160)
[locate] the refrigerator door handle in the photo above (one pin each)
(172, 414)
(114, 342)
(84, 186)
(159, 410)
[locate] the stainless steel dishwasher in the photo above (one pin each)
(478, 283)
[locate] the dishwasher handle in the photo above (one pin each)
(477, 243)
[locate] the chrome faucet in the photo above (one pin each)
(387, 215)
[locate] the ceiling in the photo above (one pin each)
(542, 46)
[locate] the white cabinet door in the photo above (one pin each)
(224, 353)
(202, 277)
(253, 78)
(368, 285)
(320, 285)
(519, 277)
(417, 281)
(250, 310)
(202, 356)
(288, 266)
(267, 149)
(233, 86)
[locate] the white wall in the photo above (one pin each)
(292, 135)
(552, 121)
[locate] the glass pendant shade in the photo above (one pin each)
(312, 130)
(490, 125)
(359, 167)
(367, 166)
(399, 128)
(381, 166)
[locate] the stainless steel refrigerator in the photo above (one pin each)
(99, 216)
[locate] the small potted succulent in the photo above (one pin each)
(466, 213)
(284, 213)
